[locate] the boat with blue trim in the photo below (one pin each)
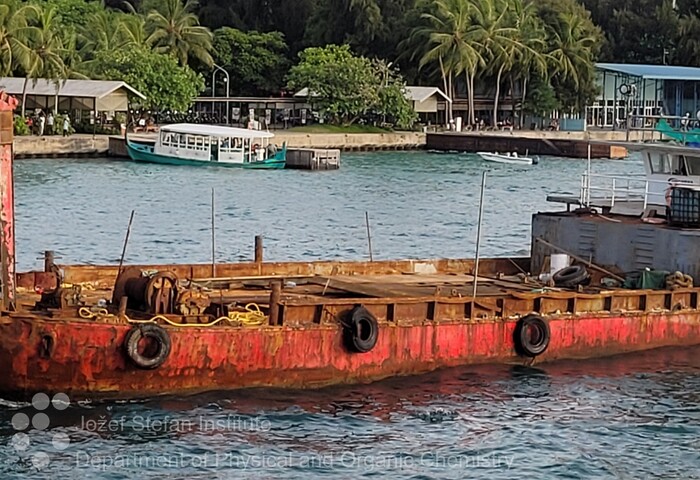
(192, 144)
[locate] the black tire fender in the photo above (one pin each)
(156, 334)
(571, 276)
(531, 336)
(361, 330)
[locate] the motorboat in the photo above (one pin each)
(512, 158)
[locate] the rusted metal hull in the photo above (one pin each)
(87, 359)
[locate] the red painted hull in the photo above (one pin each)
(88, 360)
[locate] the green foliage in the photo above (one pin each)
(174, 29)
(20, 126)
(166, 85)
(348, 88)
(636, 31)
(255, 61)
(72, 14)
(542, 99)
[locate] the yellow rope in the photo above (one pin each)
(252, 316)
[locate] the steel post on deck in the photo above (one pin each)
(7, 210)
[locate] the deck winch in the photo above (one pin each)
(158, 293)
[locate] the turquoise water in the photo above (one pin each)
(420, 206)
(635, 416)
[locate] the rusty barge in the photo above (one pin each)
(138, 331)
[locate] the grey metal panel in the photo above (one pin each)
(625, 246)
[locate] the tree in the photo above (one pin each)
(348, 88)
(493, 27)
(256, 61)
(166, 85)
(392, 105)
(103, 32)
(175, 30)
(636, 31)
(542, 100)
(45, 51)
(14, 30)
(573, 45)
(531, 56)
(451, 44)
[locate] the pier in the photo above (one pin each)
(313, 159)
(561, 144)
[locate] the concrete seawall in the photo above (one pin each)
(353, 141)
(99, 145)
(57, 146)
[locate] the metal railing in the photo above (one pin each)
(648, 123)
(614, 189)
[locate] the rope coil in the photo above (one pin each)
(253, 316)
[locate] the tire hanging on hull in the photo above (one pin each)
(531, 336)
(361, 330)
(159, 338)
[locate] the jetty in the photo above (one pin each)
(561, 144)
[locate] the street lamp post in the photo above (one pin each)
(228, 88)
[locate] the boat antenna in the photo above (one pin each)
(126, 242)
(369, 237)
(478, 233)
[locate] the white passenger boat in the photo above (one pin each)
(192, 144)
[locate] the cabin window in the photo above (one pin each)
(693, 165)
(659, 163)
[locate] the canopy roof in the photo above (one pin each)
(215, 131)
(652, 72)
(70, 88)
(416, 94)
(421, 94)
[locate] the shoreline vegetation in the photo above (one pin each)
(354, 56)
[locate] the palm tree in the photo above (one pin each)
(493, 25)
(102, 33)
(530, 56)
(175, 30)
(449, 43)
(45, 50)
(368, 17)
(133, 30)
(572, 48)
(14, 29)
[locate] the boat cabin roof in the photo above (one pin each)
(215, 131)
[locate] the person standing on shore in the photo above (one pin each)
(42, 122)
(49, 124)
(66, 125)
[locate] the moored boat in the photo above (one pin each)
(193, 144)
(138, 331)
(511, 158)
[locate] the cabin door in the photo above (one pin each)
(214, 150)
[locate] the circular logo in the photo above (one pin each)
(40, 420)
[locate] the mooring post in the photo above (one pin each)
(258, 249)
(7, 201)
(49, 258)
(275, 296)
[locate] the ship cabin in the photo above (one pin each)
(213, 143)
(630, 223)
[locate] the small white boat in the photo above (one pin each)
(507, 158)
